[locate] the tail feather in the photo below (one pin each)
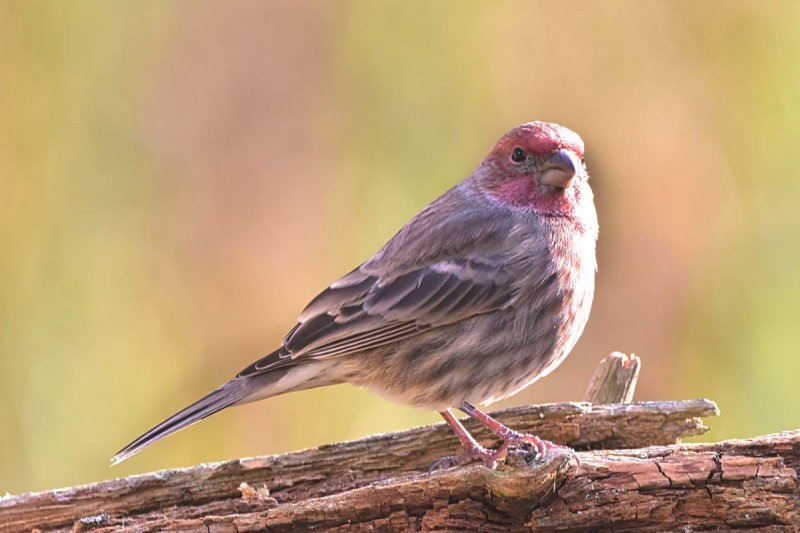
(239, 390)
(225, 396)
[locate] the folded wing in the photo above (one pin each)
(399, 294)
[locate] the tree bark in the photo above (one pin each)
(748, 484)
(327, 475)
(380, 483)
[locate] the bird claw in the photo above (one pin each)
(492, 457)
(449, 461)
(542, 446)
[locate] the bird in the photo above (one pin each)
(484, 291)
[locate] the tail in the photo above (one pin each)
(225, 396)
(242, 389)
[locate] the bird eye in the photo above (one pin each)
(518, 155)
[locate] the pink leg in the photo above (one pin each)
(474, 450)
(467, 440)
(506, 434)
(510, 437)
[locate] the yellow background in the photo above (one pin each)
(178, 178)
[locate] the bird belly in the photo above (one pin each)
(482, 359)
(439, 369)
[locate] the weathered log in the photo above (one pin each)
(740, 484)
(299, 479)
(237, 494)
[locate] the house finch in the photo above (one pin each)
(483, 292)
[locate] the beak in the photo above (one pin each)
(558, 171)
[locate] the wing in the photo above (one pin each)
(443, 266)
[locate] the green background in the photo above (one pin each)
(178, 178)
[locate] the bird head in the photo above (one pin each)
(539, 166)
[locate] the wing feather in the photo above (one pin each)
(445, 265)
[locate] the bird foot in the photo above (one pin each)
(450, 461)
(492, 457)
(487, 456)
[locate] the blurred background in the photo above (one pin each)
(177, 179)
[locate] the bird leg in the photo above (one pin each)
(473, 449)
(509, 437)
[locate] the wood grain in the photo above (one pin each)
(742, 484)
(614, 379)
(335, 481)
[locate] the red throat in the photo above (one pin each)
(524, 192)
